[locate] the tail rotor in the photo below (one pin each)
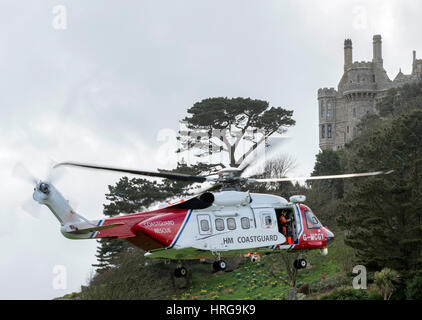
(41, 187)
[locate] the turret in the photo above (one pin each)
(377, 51)
(417, 66)
(414, 62)
(348, 53)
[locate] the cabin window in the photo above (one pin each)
(231, 223)
(245, 223)
(219, 224)
(311, 221)
(205, 226)
(268, 221)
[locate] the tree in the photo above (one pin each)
(220, 124)
(398, 101)
(324, 196)
(277, 167)
(386, 281)
(414, 288)
(328, 163)
(383, 214)
(288, 260)
(127, 196)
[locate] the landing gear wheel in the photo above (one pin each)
(300, 264)
(222, 265)
(219, 265)
(183, 271)
(180, 272)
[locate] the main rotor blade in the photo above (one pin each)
(338, 176)
(167, 175)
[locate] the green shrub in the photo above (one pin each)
(414, 288)
(373, 294)
(386, 281)
(345, 293)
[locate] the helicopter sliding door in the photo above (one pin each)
(290, 228)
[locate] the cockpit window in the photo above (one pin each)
(311, 221)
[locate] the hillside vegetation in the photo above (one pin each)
(141, 278)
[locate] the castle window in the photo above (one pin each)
(355, 132)
(354, 112)
(373, 78)
(329, 135)
(329, 110)
(322, 131)
(347, 129)
(322, 109)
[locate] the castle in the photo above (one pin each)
(361, 85)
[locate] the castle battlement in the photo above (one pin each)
(327, 92)
(361, 64)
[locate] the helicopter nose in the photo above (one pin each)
(330, 236)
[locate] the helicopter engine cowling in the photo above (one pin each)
(207, 198)
(232, 198)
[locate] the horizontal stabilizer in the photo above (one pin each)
(85, 227)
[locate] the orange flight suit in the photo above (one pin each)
(284, 222)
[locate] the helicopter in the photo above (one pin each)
(211, 224)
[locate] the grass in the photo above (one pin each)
(267, 278)
(141, 278)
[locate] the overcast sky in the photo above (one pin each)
(112, 85)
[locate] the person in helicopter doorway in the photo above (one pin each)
(284, 223)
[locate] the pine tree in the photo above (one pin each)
(383, 214)
(219, 125)
(127, 196)
(324, 196)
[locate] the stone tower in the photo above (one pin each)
(359, 88)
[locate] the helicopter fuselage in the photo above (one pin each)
(222, 224)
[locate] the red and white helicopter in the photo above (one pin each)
(212, 224)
